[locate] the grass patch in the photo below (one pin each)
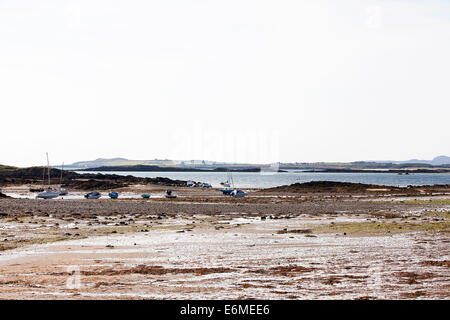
(444, 215)
(381, 228)
(430, 201)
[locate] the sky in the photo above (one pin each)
(250, 81)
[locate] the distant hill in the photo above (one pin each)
(101, 162)
(211, 165)
(116, 162)
(438, 161)
(149, 168)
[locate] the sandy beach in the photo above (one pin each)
(206, 246)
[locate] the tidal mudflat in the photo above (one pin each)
(204, 246)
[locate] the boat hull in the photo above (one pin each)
(113, 195)
(48, 195)
(92, 195)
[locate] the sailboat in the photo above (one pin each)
(237, 193)
(62, 192)
(228, 184)
(49, 192)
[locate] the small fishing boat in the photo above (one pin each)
(113, 195)
(229, 180)
(237, 193)
(190, 183)
(226, 192)
(92, 195)
(170, 195)
(48, 194)
(145, 196)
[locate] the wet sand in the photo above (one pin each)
(206, 246)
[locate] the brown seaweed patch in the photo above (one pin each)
(304, 231)
(412, 277)
(332, 280)
(153, 270)
(412, 295)
(283, 270)
(443, 263)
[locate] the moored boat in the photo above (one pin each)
(190, 183)
(229, 180)
(92, 195)
(170, 195)
(62, 192)
(226, 192)
(48, 194)
(237, 193)
(113, 195)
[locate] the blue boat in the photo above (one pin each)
(227, 192)
(145, 195)
(113, 195)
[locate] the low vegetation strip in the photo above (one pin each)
(374, 227)
(355, 188)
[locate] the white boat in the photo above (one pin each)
(229, 180)
(237, 193)
(190, 183)
(92, 195)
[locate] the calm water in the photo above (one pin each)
(258, 180)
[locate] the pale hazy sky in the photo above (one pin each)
(250, 81)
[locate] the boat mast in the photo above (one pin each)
(48, 166)
(60, 178)
(232, 182)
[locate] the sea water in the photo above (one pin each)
(268, 180)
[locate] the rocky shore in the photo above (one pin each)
(304, 241)
(73, 180)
